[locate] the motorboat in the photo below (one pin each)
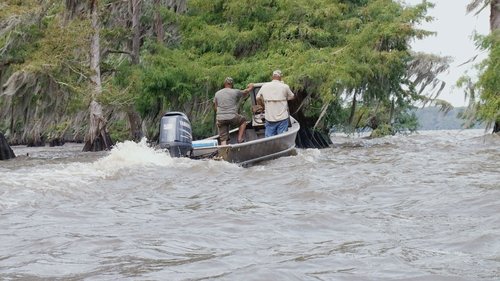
(175, 135)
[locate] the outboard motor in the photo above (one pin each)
(175, 134)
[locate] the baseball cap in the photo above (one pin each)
(277, 72)
(228, 80)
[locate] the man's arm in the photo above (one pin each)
(247, 90)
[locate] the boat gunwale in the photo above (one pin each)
(295, 128)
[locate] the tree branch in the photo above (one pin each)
(10, 61)
(109, 51)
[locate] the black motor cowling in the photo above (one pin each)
(175, 134)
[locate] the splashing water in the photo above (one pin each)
(129, 154)
(123, 157)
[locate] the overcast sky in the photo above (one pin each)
(454, 29)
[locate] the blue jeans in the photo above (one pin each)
(276, 128)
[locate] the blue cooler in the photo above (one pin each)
(204, 147)
(204, 143)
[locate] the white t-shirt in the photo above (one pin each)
(275, 95)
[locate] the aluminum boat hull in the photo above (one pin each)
(256, 147)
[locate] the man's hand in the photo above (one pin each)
(248, 89)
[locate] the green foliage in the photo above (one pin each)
(19, 31)
(168, 80)
(484, 94)
(489, 80)
(119, 130)
(406, 122)
(327, 50)
(62, 46)
(202, 128)
(57, 130)
(382, 131)
(16, 8)
(122, 90)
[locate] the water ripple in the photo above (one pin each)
(418, 207)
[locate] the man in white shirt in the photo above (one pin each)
(275, 95)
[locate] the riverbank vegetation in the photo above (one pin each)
(484, 94)
(99, 70)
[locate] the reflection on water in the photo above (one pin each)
(419, 207)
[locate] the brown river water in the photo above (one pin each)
(418, 207)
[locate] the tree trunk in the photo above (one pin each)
(5, 150)
(11, 125)
(97, 138)
(133, 116)
(307, 137)
(495, 15)
(494, 26)
(353, 109)
(135, 122)
(179, 6)
(158, 22)
(391, 114)
(136, 30)
(74, 8)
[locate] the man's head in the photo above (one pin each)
(277, 74)
(228, 82)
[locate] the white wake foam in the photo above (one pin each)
(130, 154)
(127, 156)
